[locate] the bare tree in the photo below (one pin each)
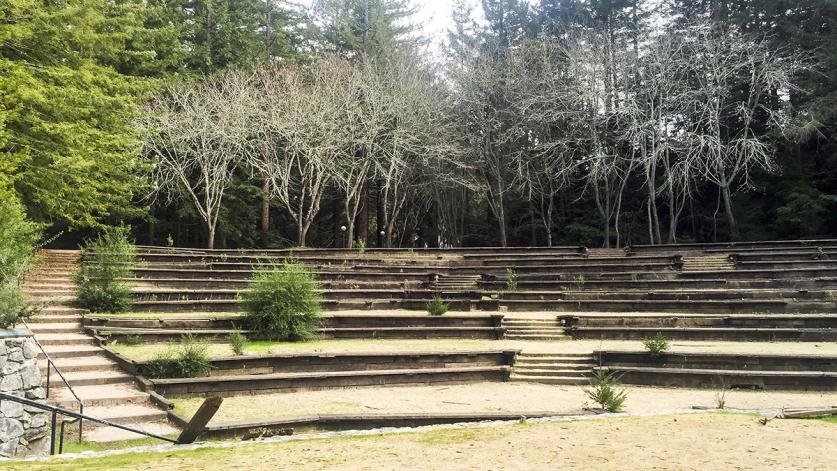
(296, 139)
(416, 145)
(480, 84)
(738, 83)
(600, 89)
(655, 110)
(196, 135)
(546, 126)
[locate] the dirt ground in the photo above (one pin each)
(489, 397)
(147, 351)
(676, 442)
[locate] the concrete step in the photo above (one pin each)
(131, 415)
(554, 360)
(55, 319)
(536, 337)
(98, 396)
(539, 330)
(92, 378)
(564, 373)
(110, 434)
(64, 339)
(61, 311)
(549, 379)
(518, 366)
(56, 328)
(94, 362)
(71, 351)
(554, 355)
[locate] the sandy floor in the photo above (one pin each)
(488, 397)
(697, 441)
(146, 351)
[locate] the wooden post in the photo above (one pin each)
(198, 423)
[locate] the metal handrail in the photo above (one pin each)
(51, 365)
(77, 416)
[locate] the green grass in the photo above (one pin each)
(452, 436)
(831, 419)
(221, 348)
(78, 447)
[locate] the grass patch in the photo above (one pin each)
(147, 351)
(79, 447)
(831, 419)
(452, 436)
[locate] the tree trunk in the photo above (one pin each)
(533, 236)
(380, 218)
(265, 223)
(733, 228)
(501, 219)
(210, 235)
(362, 221)
(549, 210)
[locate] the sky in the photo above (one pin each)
(435, 16)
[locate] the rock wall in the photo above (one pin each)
(24, 431)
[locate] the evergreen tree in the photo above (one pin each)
(68, 141)
(366, 27)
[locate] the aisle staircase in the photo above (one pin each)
(699, 263)
(456, 283)
(533, 329)
(107, 391)
(553, 368)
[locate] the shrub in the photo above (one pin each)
(656, 345)
(283, 304)
(437, 307)
(106, 263)
(604, 390)
(162, 365)
(18, 237)
(237, 342)
(193, 358)
(511, 279)
(189, 360)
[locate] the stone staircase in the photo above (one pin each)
(605, 253)
(533, 329)
(699, 263)
(553, 368)
(456, 283)
(107, 391)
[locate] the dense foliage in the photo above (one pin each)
(283, 304)
(546, 123)
(17, 244)
(107, 264)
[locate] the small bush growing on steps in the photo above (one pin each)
(161, 365)
(604, 390)
(511, 279)
(237, 342)
(656, 345)
(283, 304)
(189, 360)
(106, 262)
(18, 237)
(437, 307)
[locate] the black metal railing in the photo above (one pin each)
(77, 417)
(51, 366)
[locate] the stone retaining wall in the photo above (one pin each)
(24, 431)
